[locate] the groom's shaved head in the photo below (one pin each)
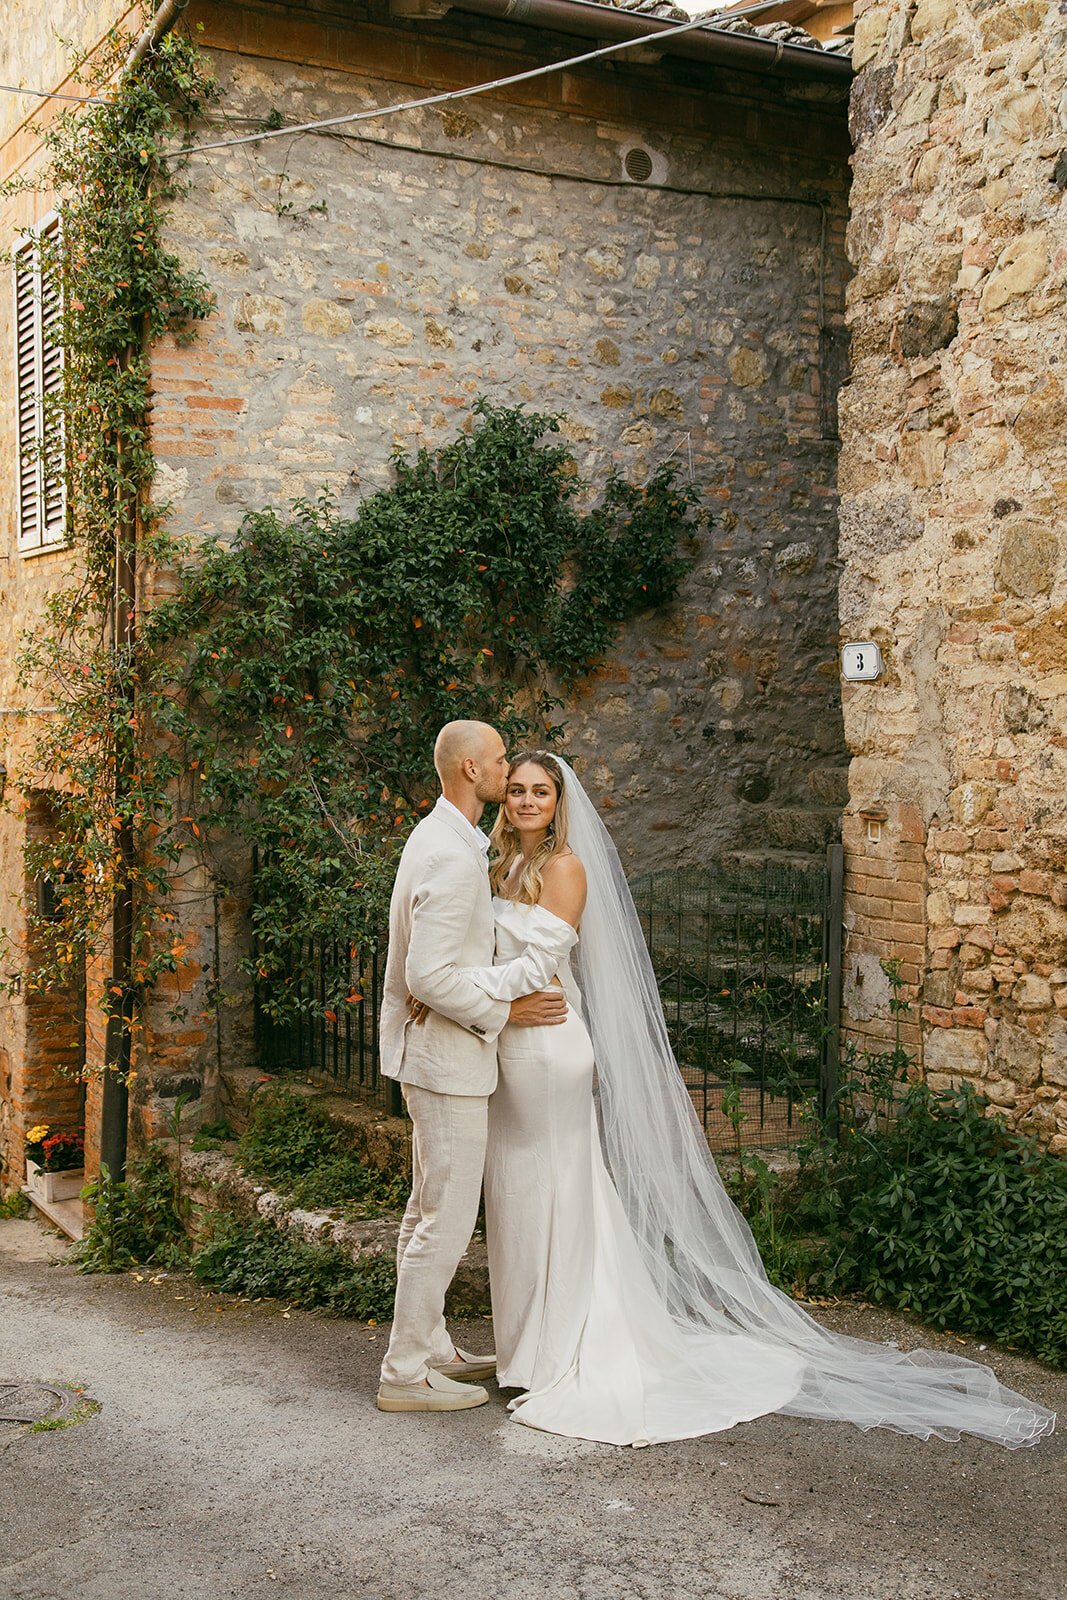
(458, 742)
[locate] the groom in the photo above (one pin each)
(441, 920)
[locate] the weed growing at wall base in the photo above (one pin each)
(924, 1202)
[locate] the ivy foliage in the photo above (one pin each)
(302, 671)
(122, 290)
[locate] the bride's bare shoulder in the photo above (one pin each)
(563, 887)
(565, 869)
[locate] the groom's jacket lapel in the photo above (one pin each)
(458, 827)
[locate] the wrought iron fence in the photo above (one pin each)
(747, 959)
(326, 1046)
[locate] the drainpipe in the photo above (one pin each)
(605, 23)
(118, 1039)
(161, 23)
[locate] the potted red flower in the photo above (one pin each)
(55, 1163)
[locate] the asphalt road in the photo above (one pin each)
(238, 1453)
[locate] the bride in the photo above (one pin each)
(630, 1304)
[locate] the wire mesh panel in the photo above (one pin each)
(739, 952)
(742, 954)
(335, 1044)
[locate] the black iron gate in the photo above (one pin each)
(747, 957)
(326, 1045)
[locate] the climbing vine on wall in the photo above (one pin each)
(305, 668)
(281, 692)
(105, 170)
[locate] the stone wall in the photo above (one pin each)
(369, 288)
(953, 492)
(39, 40)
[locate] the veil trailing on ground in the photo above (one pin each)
(695, 1243)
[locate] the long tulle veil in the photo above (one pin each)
(694, 1241)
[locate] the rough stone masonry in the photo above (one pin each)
(370, 287)
(953, 486)
(372, 283)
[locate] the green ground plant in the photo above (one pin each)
(14, 1205)
(81, 1413)
(136, 1222)
(257, 1258)
(292, 1143)
(920, 1200)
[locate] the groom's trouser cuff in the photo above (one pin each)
(448, 1157)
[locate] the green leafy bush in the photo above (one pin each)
(138, 1222)
(921, 1201)
(291, 1142)
(947, 1213)
(257, 1259)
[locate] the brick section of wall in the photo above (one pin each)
(884, 893)
(43, 1073)
(954, 494)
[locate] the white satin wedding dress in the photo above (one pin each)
(577, 1320)
(629, 1299)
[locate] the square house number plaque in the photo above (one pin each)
(860, 663)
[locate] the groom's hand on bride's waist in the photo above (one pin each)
(541, 1010)
(544, 1009)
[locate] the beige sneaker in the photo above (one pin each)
(441, 1395)
(468, 1366)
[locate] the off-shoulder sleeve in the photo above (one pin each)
(548, 939)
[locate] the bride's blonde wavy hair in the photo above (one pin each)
(504, 839)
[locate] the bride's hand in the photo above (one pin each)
(417, 1011)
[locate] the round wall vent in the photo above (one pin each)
(638, 164)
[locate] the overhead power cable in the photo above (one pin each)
(52, 94)
(660, 38)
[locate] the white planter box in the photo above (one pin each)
(55, 1185)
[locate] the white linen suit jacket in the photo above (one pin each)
(440, 922)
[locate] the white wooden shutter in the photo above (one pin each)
(27, 369)
(39, 368)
